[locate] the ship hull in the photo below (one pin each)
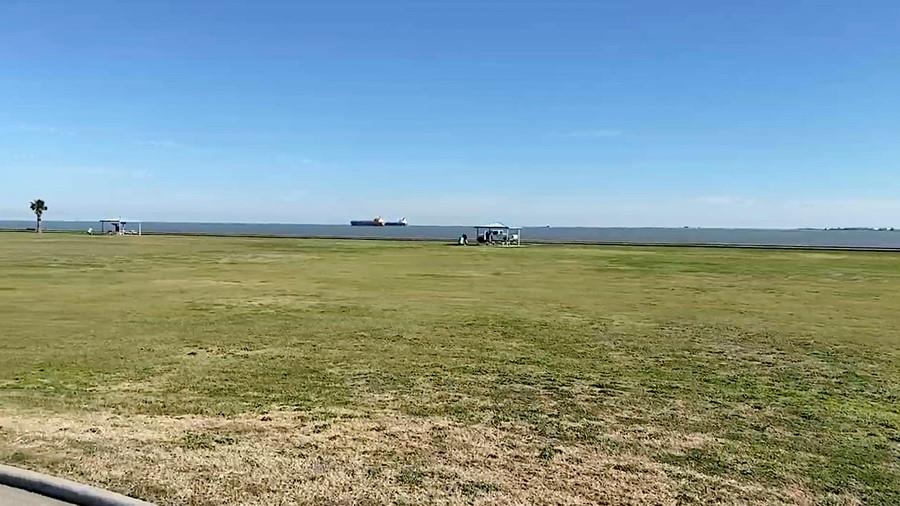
(366, 223)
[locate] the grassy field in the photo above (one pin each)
(191, 370)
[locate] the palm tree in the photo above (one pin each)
(38, 207)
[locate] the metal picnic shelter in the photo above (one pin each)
(498, 234)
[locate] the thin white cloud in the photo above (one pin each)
(109, 172)
(290, 159)
(162, 144)
(724, 200)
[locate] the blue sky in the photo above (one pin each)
(632, 113)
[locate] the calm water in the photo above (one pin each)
(742, 237)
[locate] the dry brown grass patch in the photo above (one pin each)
(345, 458)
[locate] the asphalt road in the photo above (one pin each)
(16, 497)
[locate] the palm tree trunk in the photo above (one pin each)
(39, 225)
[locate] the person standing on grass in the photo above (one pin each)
(38, 207)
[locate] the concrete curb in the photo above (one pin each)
(63, 490)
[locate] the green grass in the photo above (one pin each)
(787, 362)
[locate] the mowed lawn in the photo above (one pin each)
(189, 370)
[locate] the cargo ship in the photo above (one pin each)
(378, 221)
